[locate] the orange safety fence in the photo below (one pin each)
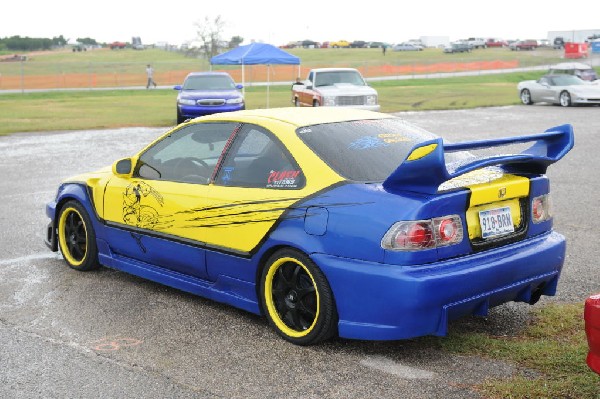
(252, 74)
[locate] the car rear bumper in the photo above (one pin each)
(386, 302)
(592, 330)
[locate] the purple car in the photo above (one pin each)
(205, 93)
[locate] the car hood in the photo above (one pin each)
(95, 175)
(346, 89)
(201, 94)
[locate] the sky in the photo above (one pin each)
(278, 22)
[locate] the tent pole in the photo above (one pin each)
(243, 82)
(268, 83)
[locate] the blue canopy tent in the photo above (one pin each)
(256, 54)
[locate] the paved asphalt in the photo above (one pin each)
(106, 334)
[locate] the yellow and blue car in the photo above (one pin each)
(328, 221)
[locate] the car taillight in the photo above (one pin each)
(413, 235)
(448, 230)
(541, 209)
(423, 234)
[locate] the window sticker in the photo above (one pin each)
(391, 138)
(227, 174)
(283, 179)
(367, 142)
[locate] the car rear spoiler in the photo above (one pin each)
(425, 169)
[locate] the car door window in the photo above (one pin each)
(257, 159)
(188, 155)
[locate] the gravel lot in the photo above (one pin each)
(108, 334)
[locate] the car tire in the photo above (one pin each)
(296, 298)
(296, 102)
(180, 118)
(76, 237)
(526, 97)
(565, 99)
(316, 103)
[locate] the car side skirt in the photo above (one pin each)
(225, 289)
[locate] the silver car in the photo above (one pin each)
(565, 90)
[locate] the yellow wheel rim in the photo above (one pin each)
(72, 236)
(292, 297)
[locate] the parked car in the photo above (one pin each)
(340, 44)
(310, 44)
(117, 45)
(565, 90)
(335, 87)
(578, 69)
(592, 329)
(496, 43)
(558, 43)
(476, 42)
(457, 47)
(204, 93)
(358, 44)
(523, 45)
(327, 221)
(407, 47)
(376, 44)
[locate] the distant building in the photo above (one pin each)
(435, 41)
(575, 36)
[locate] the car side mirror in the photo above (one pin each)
(123, 167)
(239, 86)
(177, 87)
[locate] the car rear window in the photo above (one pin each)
(365, 150)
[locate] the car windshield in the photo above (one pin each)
(208, 82)
(333, 77)
(565, 80)
(365, 150)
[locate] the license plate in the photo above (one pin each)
(495, 222)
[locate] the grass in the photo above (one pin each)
(90, 109)
(552, 349)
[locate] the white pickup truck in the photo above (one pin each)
(338, 87)
(477, 42)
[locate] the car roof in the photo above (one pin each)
(208, 74)
(333, 69)
(570, 65)
(303, 116)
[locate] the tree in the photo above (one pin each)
(59, 41)
(209, 34)
(235, 41)
(87, 41)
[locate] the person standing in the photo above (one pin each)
(150, 74)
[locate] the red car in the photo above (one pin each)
(117, 45)
(524, 45)
(592, 330)
(495, 43)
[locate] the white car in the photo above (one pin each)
(335, 87)
(565, 90)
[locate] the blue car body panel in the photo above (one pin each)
(379, 293)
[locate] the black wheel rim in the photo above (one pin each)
(75, 236)
(294, 297)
